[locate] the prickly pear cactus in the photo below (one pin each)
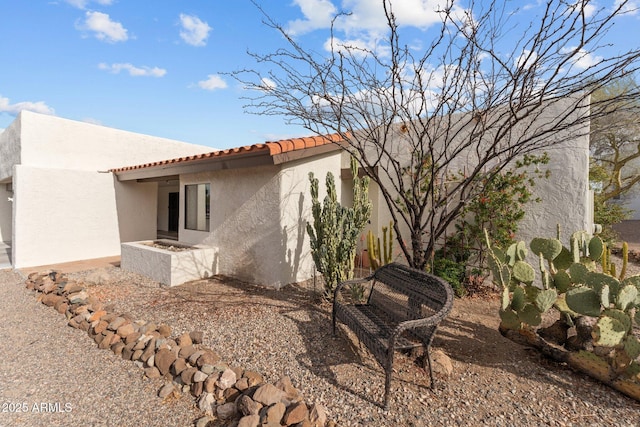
(569, 282)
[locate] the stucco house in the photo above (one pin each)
(58, 200)
(251, 204)
(80, 191)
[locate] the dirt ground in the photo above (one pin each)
(630, 233)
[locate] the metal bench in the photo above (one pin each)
(403, 310)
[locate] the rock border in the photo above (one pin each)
(229, 394)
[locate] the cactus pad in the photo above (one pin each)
(598, 280)
(518, 300)
(632, 347)
(605, 296)
(505, 299)
(626, 297)
(563, 260)
(635, 281)
(509, 320)
(608, 332)
(523, 272)
(545, 299)
(562, 281)
(596, 247)
(583, 300)
(549, 248)
(578, 272)
(530, 315)
(521, 251)
(620, 316)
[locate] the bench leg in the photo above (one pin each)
(430, 369)
(387, 380)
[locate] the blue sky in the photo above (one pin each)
(155, 67)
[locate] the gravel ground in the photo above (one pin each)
(46, 362)
(495, 381)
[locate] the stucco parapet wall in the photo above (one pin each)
(168, 267)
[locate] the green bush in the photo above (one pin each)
(453, 272)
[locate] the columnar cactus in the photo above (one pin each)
(335, 230)
(380, 256)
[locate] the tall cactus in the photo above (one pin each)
(335, 230)
(379, 256)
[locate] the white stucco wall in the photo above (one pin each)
(63, 215)
(565, 195)
(54, 142)
(295, 207)
(258, 219)
(244, 222)
(136, 205)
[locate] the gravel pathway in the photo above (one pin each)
(55, 375)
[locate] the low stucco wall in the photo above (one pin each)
(169, 267)
(63, 215)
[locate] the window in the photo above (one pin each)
(196, 207)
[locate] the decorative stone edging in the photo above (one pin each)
(221, 392)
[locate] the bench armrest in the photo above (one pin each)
(433, 320)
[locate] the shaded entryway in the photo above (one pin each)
(5, 255)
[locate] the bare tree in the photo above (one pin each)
(615, 139)
(426, 125)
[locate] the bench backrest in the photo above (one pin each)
(405, 293)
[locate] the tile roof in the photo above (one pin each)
(272, 147)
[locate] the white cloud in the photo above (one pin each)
(268, 83)
(82, 4)
(133, 70)
(194, 31)
(104, 28)
(631, 7)
(318, 14)
(213, 82)
(14, 109)
(582, 59)
(366, 15)
(527, 59)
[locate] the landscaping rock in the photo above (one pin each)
(318, 415)
(253, 377)
(152, 372)
(227, 379)
(187, 351)
(178, 366)
(204, 421)
(196, 337)
(248, 406)
(164, 360)
(116, 323)
(441, 363)
(199, 377)
(187, 375)
(296, 413)
(249, 421)
(208, 358)
(164, 331)
(275, 413)
(226, 411)
(207, 403)
(126, 329)
(268, 394)
(166, 390)
(184, 340)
